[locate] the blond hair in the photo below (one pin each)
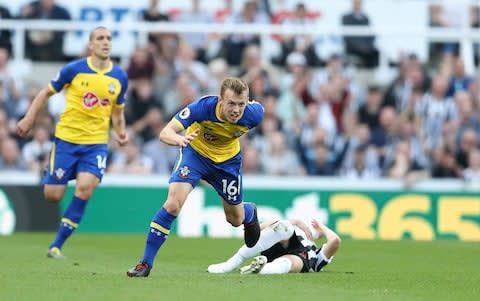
(235, 84)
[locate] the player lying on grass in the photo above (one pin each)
(286, 246)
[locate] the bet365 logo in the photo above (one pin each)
(7, 215)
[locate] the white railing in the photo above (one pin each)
(465, 35)
(21, 178)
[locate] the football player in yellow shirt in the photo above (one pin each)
(209, 150)
(95, 96)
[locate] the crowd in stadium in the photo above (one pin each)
(319, 119)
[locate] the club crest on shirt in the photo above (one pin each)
(59, 173)
(238, 134)
(184, 172)
(185, 113)
(111, 88)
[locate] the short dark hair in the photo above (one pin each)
(90, 38)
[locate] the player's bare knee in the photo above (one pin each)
(336, 242)
(235, 220)
(53, 196)
(84, 191)
(172, 206)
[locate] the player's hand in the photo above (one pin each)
(24, 126)
(122, 139)
(317, 226)
(300, 224)
(185, 140)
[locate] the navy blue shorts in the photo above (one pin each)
(225, 177)
(67, 159)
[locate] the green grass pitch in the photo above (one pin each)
(362, 270)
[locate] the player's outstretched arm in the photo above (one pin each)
(300, 224)
(118, 124)
(333, 240)
(26, 123)
(170, 135)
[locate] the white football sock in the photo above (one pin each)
(278, 266)
(281, 230)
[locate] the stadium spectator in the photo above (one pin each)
(81, 135)
(278, 159)
(294, 92)
(5, 34)
(401, 163)
(468, 142)
(383, 137)
(411, 76)
(340, 100)
(360, 169)
(406, 132)
(251, 161)
(214, 156)
(287, 246)
(184, 92)
(35, 153)
(369, 112)
(7, 123)
(11, 99)
(362, 47)
(260, 138)
(334, 66)
(435, 111)
(253, 70)
(141, 66)
(264, 8)
(185, 62)
(129, 160)
(322, 163)
(436, 49)
(163, 155)
(468, 117)
(301, 43)
(201, 43)
(4, 133)
(444, 165)
(234, 45)
(309, 134)
(44, 45)
(218, 69)
(140, 102)
(448, 14)
(471, 174)
(326, 117)
(153, 14)
(474, 14)
(405, 167)
(459, 80)
(10, 156)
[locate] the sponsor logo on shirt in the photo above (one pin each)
(90, 100)
(210, 137)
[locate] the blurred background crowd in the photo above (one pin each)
(321, 117)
